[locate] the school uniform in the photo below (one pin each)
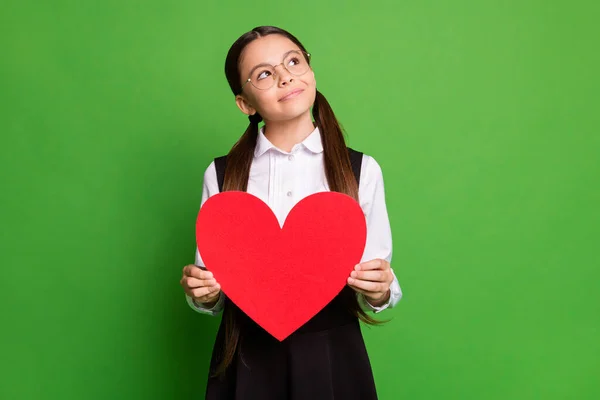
(326, 358)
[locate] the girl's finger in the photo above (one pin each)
(203, 291)
(368, 286)
(373, 276)
(368, 295)
(193, 283)
(196, 272)
(373, 264)
(208, 298)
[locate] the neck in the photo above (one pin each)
(286, 134)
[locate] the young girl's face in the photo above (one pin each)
(271, 103)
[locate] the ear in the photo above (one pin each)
(244, 105)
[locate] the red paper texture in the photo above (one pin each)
(281, 277)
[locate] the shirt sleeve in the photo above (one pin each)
(379, 235)
(210, 187)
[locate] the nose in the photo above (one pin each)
(284, 76)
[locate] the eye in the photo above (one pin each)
(294, 61)
(263, 74)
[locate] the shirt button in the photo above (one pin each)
(291, 157)
(289, 194)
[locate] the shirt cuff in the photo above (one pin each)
(369, 307)
(214, 310)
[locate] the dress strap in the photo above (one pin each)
(356, 162)
(220, 165)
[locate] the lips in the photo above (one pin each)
(291, 94)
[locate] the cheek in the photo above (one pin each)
(265, 100)
(309, 80)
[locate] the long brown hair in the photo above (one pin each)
(338, 170)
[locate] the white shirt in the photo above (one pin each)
(281, 179)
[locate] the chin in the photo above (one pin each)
(291, 111)
(287, 116)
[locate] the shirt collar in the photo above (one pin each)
(312, 142)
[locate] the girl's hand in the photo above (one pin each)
(372, 279)
(200, 285)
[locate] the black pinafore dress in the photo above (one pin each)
(323, 360)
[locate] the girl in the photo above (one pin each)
(285, 160)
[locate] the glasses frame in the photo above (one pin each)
(307, 56)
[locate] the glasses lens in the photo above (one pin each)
(262, 78)
(296, 63)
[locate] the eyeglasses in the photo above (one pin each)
(262, 77)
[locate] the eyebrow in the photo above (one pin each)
(270, 65)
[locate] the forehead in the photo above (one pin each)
(267, 49)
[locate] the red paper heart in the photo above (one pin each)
(281, 277)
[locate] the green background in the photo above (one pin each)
(484, 116)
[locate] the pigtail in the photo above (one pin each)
(239, 159)
(338, 168)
